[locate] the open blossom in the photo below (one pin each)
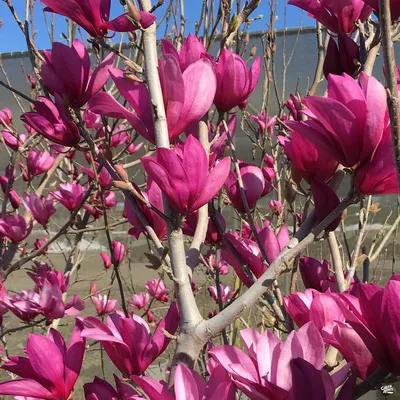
(70, 195)
(324, 311)
(38, 163)
(103, 176)
(191, 51)
(186, 181)
(225, 293)
(154, 196)
(13, 140)
(186, 98)
(50, 369)
(250, 253)
(93, 16)
(157, 289)
(51, 120)
(223, 267)
(67, 72)
(235, 82)
(97, 204)
(268, 370)
(41, 208)
(265, 127)
(42, 272)
(336, 16)
(139, 301)
(374, 316)
(5, 116)
(128, 342)
(14, 227)
(349, 123)
(254, 184)
(276, 207)
(102, 303)
(189, 384)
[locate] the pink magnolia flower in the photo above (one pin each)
(379, 175)
(106, 260)
(394, 7)
(42, 272)
(235, 82)
(186, 98)
(50, 369)
(67, 72)
(309, 161)
(94, 16)
(157, 289)
(266, 371)
(154, 196)
(139, 301)
(51, 121)
(186, 182)
(100, 389)
(118, 249)
(97, 205)
(317, 275)
(254, 186)
(120, 138)
(337, 17)
(276, 207)
(49, 303)
(14, 227)
(264, 126)
(250, 253)
(15, 201)
(128, 342)
(360, 112)
(39, 243)
(191, 51)
(189, 384)
(212, 235)
(293, 104)
(225, 293)
(373, 316)
(5, 116)
(344, 338)
(3, 307)
(343, 57)
(102, 303)
(103, 176)
(132, 148)
(223, 267)
(13, 140)
(41, 208)
(70, 195)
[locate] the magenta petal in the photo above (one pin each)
(25, 387)
(198, 96)
(326, 200)
(185, 385)
(153, 389)
(214, 183)
(231, 355)
(270, 243)
(41, 350)
(120, 24)
(99, 77)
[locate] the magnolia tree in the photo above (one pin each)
(93, 107)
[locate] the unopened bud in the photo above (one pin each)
(253, 51)
(122, 173)
(133, 11)
(247, 39)
(132, 77)
(121, 185)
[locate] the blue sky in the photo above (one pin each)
(12, 39)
